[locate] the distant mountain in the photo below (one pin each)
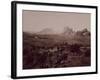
(67, 32)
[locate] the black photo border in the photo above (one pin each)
(14, 38)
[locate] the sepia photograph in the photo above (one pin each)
(56, 39)
(51, 39)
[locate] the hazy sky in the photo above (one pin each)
(35, 21)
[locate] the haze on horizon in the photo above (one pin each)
(36, 21)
